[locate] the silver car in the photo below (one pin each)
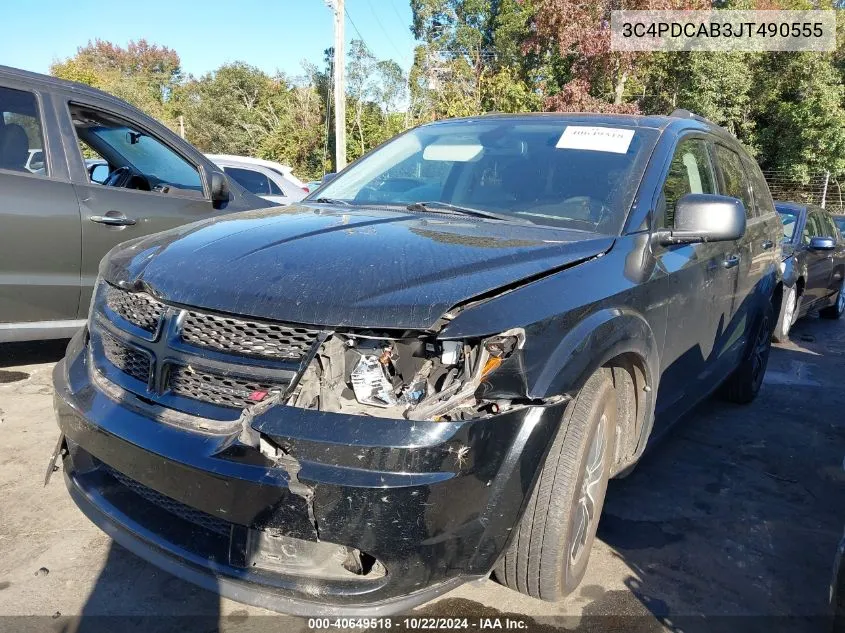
(274, 185)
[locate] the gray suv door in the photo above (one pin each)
(40, 241)
(150, 186)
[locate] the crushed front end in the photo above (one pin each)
(303, 469)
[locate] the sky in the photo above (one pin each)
(270, 34)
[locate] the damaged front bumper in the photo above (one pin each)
(423, 505)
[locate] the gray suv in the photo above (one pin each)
(57, 221)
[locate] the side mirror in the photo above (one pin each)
(219, 189)
(705, 217)
(822, 244)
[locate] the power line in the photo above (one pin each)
(396, 11)
(386, 34)
(352, 22)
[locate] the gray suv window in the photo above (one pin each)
(20, 132)
(154, 166)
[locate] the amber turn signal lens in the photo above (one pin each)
(492, 364)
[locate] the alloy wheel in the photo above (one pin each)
(790, 310)
(760, 352)
(586, 512)
(840, 301)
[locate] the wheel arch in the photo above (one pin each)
(622, 340)
(777, 297)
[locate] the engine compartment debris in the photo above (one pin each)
(415, 377)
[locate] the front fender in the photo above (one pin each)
(591, 343)
(790, 271)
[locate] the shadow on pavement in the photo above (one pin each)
(132, 596)
(734, 512)
(31, 353)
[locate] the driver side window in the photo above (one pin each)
(135, 159)
(811, 228)
(689, 172)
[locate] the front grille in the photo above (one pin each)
(226, 391)
(182, 511)
(126, 359)
(199, 331)
(138, 308)
(247, 338)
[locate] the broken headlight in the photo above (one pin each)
(416, 378)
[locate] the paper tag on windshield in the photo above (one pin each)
(597, 139)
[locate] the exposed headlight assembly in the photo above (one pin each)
(479, 364)
(415, 378)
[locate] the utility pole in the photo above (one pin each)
(824, 189)
(181, 126)
(339, 85)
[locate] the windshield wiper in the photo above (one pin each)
(445, 207)
(345, 203)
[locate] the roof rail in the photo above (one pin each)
(680, 113)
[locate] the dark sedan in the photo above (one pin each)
(839, 220)
(813, 265)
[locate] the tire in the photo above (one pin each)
(744, 384)
(835, 311)
(787, 316)
(544, 559)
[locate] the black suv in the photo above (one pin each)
(426, 371)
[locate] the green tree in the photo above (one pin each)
(802, 121)
(473, 58)
(143, 74)
(239, 109)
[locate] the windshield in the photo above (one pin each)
(558, 173)
(789, 217)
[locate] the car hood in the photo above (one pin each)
(343, 267)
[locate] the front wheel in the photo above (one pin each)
(744, 384)
(835, 311)
(548, 555)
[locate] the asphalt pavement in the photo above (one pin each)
(730, 522)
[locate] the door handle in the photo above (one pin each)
(731, 261)
(768, 244)
(112, 220)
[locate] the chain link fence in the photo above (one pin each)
(821, 189)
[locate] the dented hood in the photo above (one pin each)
(343, 267)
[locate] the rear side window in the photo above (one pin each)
(689, 172)
(759, 189)
(736, 181)
(253, 181)
(275, 190)
(21, 138)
